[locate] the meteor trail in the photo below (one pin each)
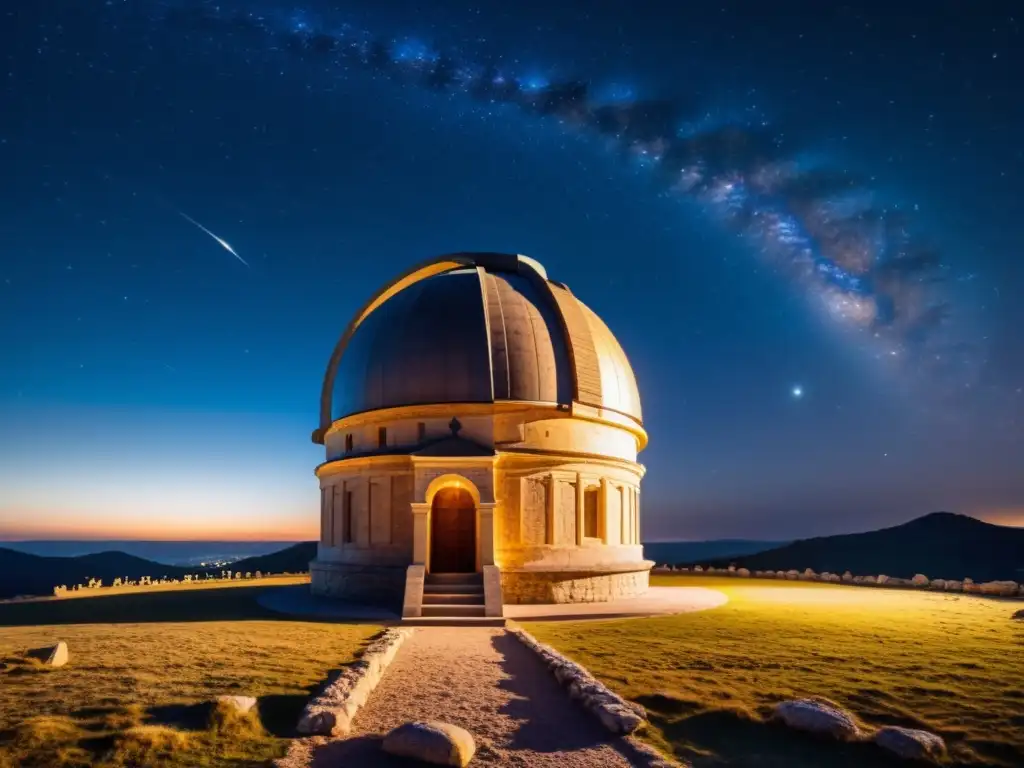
(223, 243)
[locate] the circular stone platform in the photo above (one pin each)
(658, 601)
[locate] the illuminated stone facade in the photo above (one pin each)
(476, 374)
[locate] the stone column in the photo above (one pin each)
(579, 509)
(636, 519)
(602, 511)
(486, 518)
(549, 511)
(420, 532)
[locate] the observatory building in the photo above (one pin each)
(481, 426)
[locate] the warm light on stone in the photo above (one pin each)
(477, 415)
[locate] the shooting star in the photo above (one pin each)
(223, 243)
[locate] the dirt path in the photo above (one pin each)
(486, 681)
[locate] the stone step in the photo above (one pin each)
(454, 611)
(453, 589)
(453, 599)
(454, 621)
(454, 578)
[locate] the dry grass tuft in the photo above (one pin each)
(45, 741)
(227, 722)
(148, 745)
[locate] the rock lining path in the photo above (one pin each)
(489, 683)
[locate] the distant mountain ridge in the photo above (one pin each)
(684, 551)
(941, 545)
(25, 574)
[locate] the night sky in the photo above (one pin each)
(802, 220)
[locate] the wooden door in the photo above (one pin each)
(453, 532)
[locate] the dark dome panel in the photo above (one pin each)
(426, 344)
(531, 359)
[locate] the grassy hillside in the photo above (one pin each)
(952, 664)
(941, 546)
(143, 671)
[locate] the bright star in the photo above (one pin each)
(797, 392)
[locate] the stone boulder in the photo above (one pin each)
(953, 585)
(919, 580)
(938, 584)
(882, 579)
(910, 743)
(999, 588)
(243, 704)
(742, 572)
(432, 742)
(57, 656)
(1019, 615)
(792, 575)
(869, 580)
(817, 716)
(847, 576)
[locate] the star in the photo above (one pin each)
(797, 392)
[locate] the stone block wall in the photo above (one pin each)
(572, 587)
(369, 584)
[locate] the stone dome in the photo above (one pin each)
(476, 328)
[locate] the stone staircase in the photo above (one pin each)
(453, 595)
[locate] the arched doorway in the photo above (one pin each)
(453, 532)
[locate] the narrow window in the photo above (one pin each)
(348, 443)
(382, 437)
(421, 431)
(590, 507)
(347, 538)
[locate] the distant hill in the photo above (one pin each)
(673, 552)
(25, 574)
(942, 545)
(293, 559)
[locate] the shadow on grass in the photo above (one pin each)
(194, 604)
(359, 751)
(713, 738)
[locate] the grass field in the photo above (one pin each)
(946, 663)
(145, 667)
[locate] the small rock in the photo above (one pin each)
(58, 655)
(433, 742)
(919, 580)
(618, 719)
(817, 717)
(1001, 588)
(742, 572)
(242, 703)
(1019, 615)
(910, 743)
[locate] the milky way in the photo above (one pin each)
(861, 263)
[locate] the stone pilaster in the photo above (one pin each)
(420, 532)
